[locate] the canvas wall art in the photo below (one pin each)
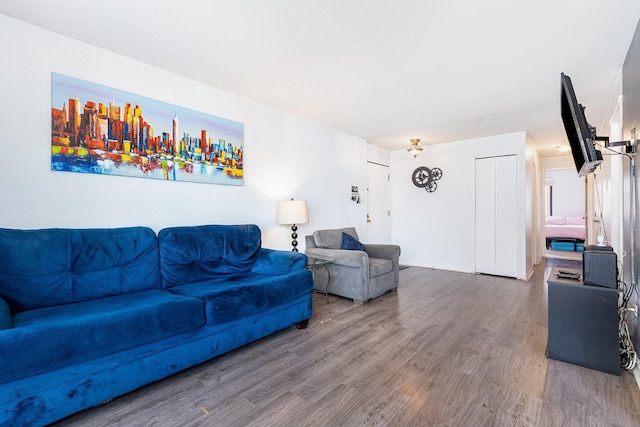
(102, 130)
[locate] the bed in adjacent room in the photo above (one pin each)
(561, 229)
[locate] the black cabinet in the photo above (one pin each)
(583, 324)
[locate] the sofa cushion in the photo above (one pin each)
(5, 315)
(332, 239)
(271, 262)
(235, 297)
(351, 243)
(54, 337)
(379, 266)
(200, 253)
(48, 267)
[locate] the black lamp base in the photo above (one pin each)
(294, 236)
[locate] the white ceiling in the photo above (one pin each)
(386, 71)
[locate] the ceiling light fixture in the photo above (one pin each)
(415, 148)
(563, 148)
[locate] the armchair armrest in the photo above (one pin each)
(344, 257)
(5, 315)
(273, 262)
(383, 251)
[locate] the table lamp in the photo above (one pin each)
(293, 212)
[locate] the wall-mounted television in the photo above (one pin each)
(581, 135)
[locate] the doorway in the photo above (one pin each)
(565, 214)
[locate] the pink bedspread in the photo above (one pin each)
(566, 231)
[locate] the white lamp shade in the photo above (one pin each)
(293, 212)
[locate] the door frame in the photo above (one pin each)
(385, 196)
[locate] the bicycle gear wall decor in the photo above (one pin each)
(426, 178)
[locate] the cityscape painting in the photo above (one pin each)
(101, 130)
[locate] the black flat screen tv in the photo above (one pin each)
(580, 134)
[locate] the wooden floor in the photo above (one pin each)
(448, 349)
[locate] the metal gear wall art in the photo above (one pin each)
(426, 178)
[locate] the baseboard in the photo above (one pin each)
(529, 274)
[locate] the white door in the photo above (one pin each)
(506, 216)
(485, 216)
(378, 215)
(496, 216)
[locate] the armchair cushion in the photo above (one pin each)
(385, 251)
(351, 243)
(379, 266)
(332, 239)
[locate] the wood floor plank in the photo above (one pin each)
(446, 349)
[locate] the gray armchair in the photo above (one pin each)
(359, 275)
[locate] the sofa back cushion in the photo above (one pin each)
(49, 267)
(332, 239)
(200, 253)
(5, 315)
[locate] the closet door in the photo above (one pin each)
(506, 216)
(496, 216)
(485, 216)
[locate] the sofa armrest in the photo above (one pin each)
(5, 315)
(271, 262)
(383, 251)
(344, 257)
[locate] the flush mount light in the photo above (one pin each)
(415, 150)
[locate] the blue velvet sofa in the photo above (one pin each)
(89, 314)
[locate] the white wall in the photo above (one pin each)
(437, 230)
(557, 162)
(568, 192)
(284, 156)
(531, 220)
(378, 155)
